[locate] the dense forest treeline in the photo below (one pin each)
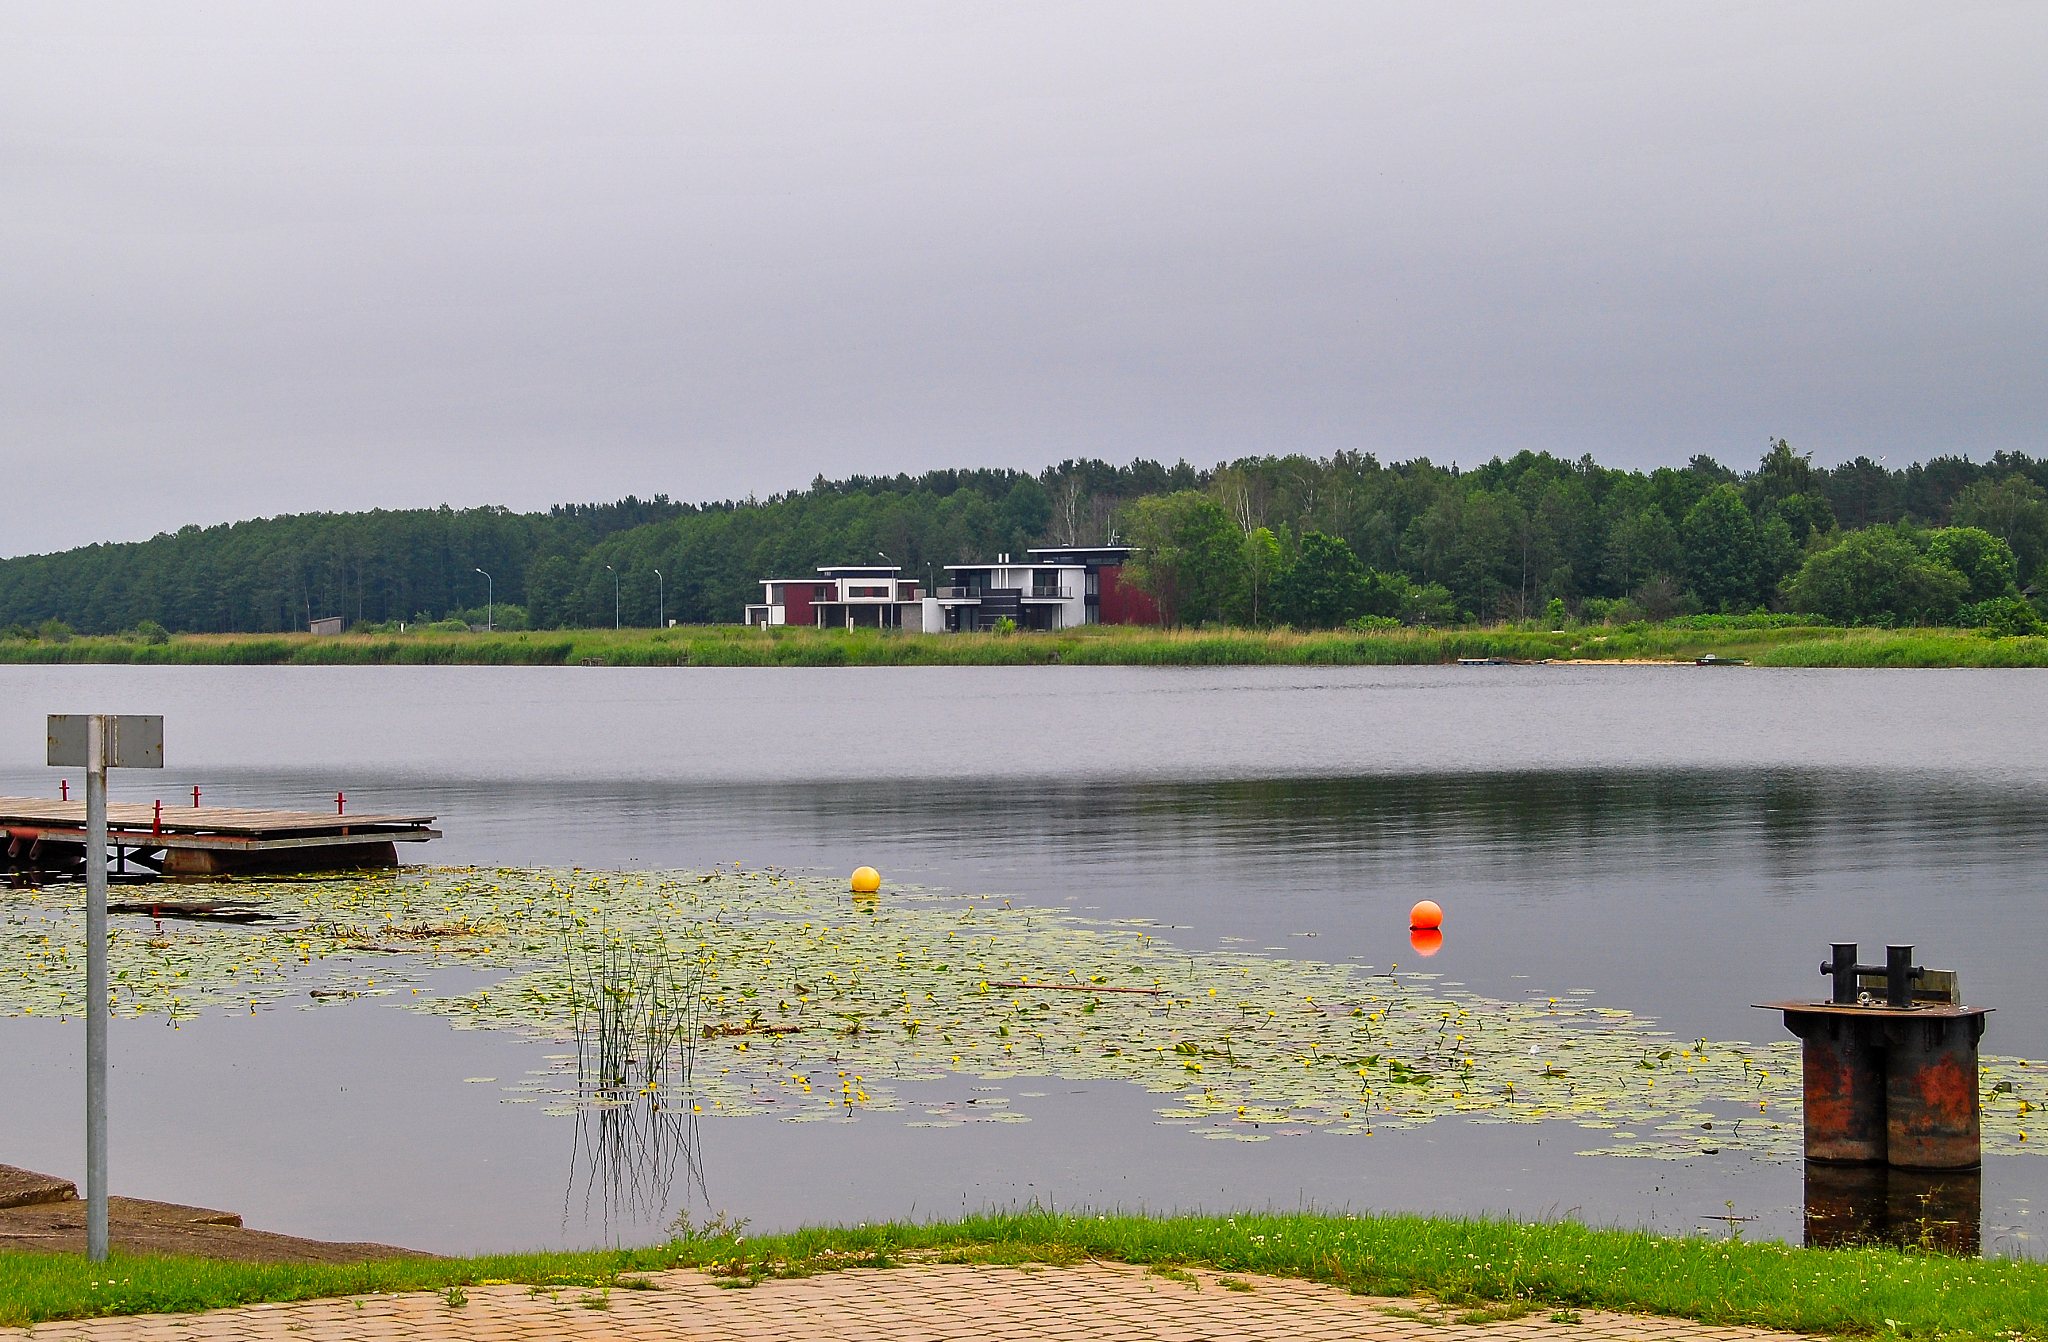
(1301, 540)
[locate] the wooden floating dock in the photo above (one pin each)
(46, 834)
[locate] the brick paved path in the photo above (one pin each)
(1098, 1302)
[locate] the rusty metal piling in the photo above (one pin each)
(1892, 1081)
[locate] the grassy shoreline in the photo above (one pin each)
(727, 645)
(1490, 1268)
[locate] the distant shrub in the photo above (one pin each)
(1879, 576)
(149, 631)
(1608, 610)
(1326, 586)
(1660, 598)
(504, 617)
(54, 631)
(1757, 620)
(1429, 603)
(1985, 562)
(1368, 624)
(2003, 617)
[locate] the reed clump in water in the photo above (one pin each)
(634, 1010)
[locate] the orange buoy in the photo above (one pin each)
(1427, 914)
(1427, 941)
(866, 880)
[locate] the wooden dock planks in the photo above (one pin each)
(224, 821)
(205, 840)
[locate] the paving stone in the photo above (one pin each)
(1088, 1303)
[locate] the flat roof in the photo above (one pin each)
(860, 570)
(1014, 563)
(1056, 556)
(1092, 551)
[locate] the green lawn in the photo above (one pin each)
(731, 645)
(1481, 1268)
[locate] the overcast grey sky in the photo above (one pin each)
(262, 258)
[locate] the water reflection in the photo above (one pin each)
(1800, 823)
(1940, 1210)
(625, 1161)
(1790, 830)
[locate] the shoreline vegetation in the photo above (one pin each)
(1266, 540)
(1477, 1270)
(1760, 641)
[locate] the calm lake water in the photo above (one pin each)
(1682, 841)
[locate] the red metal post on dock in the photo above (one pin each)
(156, 823)
(195, 796)
(64, 789)
(339, 802)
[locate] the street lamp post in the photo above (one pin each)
(660, 600)
(490, 602)
(615, 596)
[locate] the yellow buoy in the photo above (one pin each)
(866, 880)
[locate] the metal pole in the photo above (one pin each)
(96, 989)
(615, 596)
(490, 602)
(660, 600)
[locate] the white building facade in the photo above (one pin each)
(1055, 587)
(843, 596)
(1050, 588)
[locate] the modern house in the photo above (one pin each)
(1055, 587)
(843, 596)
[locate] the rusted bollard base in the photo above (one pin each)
(1930, 1091)
(1843, 1059)
(1890, 1086)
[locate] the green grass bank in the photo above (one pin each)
(730, 645)
(1483, 1268)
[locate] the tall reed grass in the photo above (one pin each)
(634, 1009)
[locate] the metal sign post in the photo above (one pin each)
(97, 742)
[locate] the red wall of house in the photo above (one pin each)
(1121, 603)
(796, 603)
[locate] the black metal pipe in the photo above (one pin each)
(1843, 967)
(1899, 973)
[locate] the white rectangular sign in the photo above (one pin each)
(133, 741)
